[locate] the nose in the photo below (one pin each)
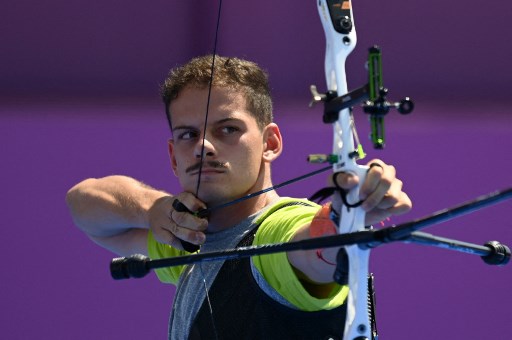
(208, 150)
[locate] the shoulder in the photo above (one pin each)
(280, 221)
(278, 225)
(287, 206)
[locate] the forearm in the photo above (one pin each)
(111, 205)
(382, 197)
(311, 267)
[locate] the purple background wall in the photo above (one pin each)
(78, 98)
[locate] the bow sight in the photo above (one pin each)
(372, 95)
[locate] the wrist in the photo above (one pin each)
(156, 204)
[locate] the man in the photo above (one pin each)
(286, 296)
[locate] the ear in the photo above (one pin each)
(170, 144)
(273, 142)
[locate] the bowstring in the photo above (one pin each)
(201, 159)
(209, 96)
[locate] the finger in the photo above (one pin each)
(181, 245)
(167, 231)
(178, 206)
(190, 202)
(162, 234)
(189, 221)
(182, 216)
(404, 205)
(396, 201)
(387, 202)
(173, 241)
(166, 237)
(376, 186)
(373, 177)
(392, 197)
(183, 233)
(344, 180)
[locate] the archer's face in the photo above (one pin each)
(233, 145)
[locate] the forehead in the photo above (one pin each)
(191, 105)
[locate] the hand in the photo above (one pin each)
(170, 226)
(381, 191)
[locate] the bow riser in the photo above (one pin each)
(339, 44)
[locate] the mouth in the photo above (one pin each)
(207, 171)
(211, 167)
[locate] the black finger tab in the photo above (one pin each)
(180, 207)
(190, 247)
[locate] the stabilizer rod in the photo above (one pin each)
(492, 252)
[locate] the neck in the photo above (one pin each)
(230, 216)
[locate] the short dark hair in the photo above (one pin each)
(240, 75)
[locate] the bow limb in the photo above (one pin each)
(338, 24)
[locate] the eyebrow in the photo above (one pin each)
(219, 122)
(229, 119)
(184, 127)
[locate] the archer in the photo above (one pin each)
(281, 296)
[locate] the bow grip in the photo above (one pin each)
(352, 216)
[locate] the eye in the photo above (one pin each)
(187, 135)
(228, 130)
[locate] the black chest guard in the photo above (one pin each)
(242, 311)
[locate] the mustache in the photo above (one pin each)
(209, 164)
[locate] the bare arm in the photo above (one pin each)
(113, 212)
(116, 212)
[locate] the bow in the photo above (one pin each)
(340, 34)
(338, 24)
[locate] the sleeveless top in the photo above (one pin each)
(242, 310)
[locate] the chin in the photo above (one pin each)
(216, 197)
(212, 200)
